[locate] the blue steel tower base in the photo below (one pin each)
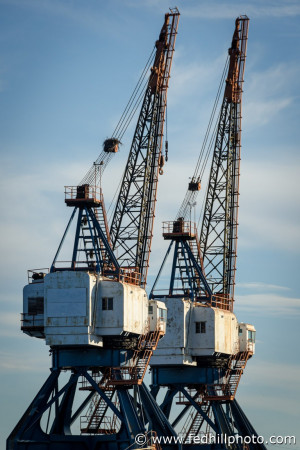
(47, 423)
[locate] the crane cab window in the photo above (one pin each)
(162, 314)
(35, 305)
(200, 327)
(107, 303)
(251, 336)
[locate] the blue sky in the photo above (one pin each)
(67, 69)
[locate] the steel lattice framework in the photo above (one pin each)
(132, 223)
(220, 220)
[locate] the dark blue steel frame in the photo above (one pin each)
(191, 268)
(96, 234)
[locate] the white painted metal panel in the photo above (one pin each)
(221, 332)
(66, 302)
(245, 343)
(129, 313)
(172, 349)
(202, 344)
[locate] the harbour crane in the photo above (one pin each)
(202, 357)
(93, 310)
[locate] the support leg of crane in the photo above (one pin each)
(156, 418)
(102, 394)
(62, 422)
(79, 410)
(183, 412)
(181, 415)
(243, 425)
(154, 390)
(24, 428)
(132, 424)
(199, 409)
(167, 402)
(225, 427)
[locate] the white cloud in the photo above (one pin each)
(228, 10)
(261, 112)
(270, 304)
(266, 377)
(189, 77)
(10, 324)
(270, 373)
(268, 93)
(269, 204)
(217, 9)
(81, 13)
(15, 361)
(262, 286)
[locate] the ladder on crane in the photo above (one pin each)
(194, 422)
(133, 372)
(227, 389)
(96, 420)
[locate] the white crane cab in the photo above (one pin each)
(32, 318)
(80, 308)
(196, 332)
(157, 316)
(247, 334)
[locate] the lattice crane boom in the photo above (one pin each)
(132, 223)
(218, 236)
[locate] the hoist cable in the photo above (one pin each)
(134, 94)
(205, 149)
(105, 157)
(211, 117)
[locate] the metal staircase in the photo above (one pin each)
(133, 372)
(226, 389)
(194, 422)
(96, 420)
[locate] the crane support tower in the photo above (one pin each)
(93, 310)
(197, 367)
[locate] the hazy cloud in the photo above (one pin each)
(14, 361)
(269, 212)
(270, 304)
(268, 93)
(81, 13)
(228, 10)
(264, 286)
(217, 9)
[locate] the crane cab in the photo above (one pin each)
(32, 318)
(247, 335)
(79, 308)
(157, 316)
(196, 333)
